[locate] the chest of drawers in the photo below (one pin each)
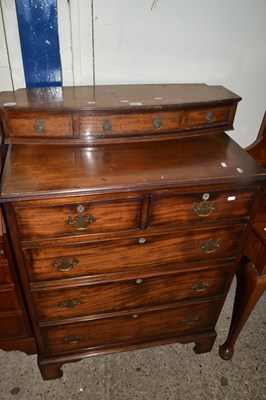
(126, 218)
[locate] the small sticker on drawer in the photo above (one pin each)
(231, 198)
(136, 103)
(9, 104)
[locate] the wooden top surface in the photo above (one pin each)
(116, 97)
(36, 170)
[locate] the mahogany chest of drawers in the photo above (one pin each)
(127, 207)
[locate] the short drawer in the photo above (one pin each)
(92, 299)
(78, 218)
(39, 125)
(205, 117)
(137, 123)
(136, 327)
(198, 207)
(137, 253)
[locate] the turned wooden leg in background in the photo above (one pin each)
(250, 286)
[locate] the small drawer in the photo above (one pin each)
(205, 117)
(128, 254)
(135, 327)
(8, 300)
(69, 302)
(75, 219)
(137, 123)
(39, 125)
(197, 207)
(12, 326)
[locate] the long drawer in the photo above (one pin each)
(125, 254)
(76, 219)
(137, 123)
(145, 291)
(131, 328)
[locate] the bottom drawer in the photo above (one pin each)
(131, 328)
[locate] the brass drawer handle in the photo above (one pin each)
(72, 339)
(209, 116)
(204, 209)
(64, 265)
(210, 246)
(190, 319)
(39, 126)
(81, 221)
(138, 281)
(157, 123)
(69, 303)
(107, 126)
(200, 286)
(2, 254)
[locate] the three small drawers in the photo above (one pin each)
(68, 125)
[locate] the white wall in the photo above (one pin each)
(211, 41)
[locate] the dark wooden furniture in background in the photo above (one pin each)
(127, 207)
(251, 276)
(15, 329)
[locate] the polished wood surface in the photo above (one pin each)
(110, 97)
(251, 276)
(133, 243)
(120, 167)
(118, 113)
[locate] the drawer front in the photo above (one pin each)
(8, 300)
(167, 210)
(211, 116)
(131, 328)
(40, 125)
(93, 299)
(138, 253)
(78, 218)
(137, 123)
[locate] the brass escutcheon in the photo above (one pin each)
(157, 123)
(190, 319)
(69, 303)
(200, 286)
(209, 116)
(210, 246)
(72, 339)
(107, 126)
(204, 209)
(63, 264)
(81, 221)
(39, 126)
